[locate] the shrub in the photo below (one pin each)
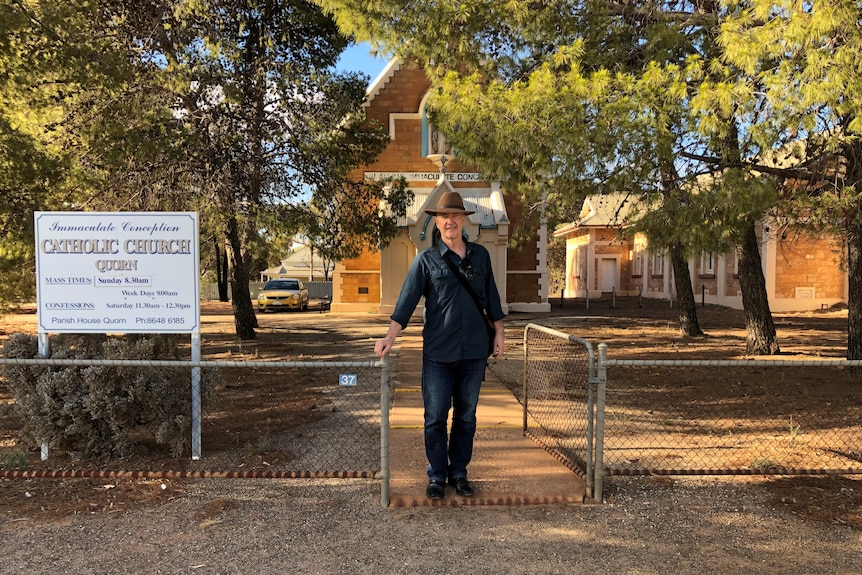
(103, 410)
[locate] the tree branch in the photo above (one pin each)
(653, 14)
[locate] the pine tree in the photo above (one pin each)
(565, 100)
(230, 108)
(805, 59)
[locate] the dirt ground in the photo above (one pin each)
(630, 329)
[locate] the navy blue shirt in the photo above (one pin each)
(454, 328)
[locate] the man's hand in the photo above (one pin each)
(382, 346)
(499, 339)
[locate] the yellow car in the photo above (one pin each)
(283, 293)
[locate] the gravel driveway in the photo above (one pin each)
(222, 526)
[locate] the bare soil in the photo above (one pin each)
(631, 328)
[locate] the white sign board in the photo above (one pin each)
(117, 272)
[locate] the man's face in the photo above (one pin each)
(450, 225)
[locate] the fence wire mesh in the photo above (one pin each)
(343, 437)
(731, 417)
(558, 396)
(314, 418)
(627, 417)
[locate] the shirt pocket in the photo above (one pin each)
(480, 271)
(440, 277)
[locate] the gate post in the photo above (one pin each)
(384, 431)
(602, 377)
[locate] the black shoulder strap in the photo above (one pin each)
(464, 282)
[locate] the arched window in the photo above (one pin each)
(434, 143)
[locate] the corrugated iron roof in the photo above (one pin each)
(609, 210)
(612, 210)
(477, 200)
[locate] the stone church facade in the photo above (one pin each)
(418, 152)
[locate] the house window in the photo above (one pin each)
(576, 265)
(707, 264)
(658, 264)
(637, 262)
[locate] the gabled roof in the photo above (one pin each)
(382, 78)
(606, 210)
(297, 264)
(488, 204)
(612, 210)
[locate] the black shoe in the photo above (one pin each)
(435, 489)
(462, 487)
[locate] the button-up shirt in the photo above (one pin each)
(454, 329)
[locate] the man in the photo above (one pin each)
(455, 348)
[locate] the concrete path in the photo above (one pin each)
(507, 468)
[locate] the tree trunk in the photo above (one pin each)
(224, 280)
(761, 338)
(851, 153)
(245, 319)
(254, 95)
(688, 324)
(854, 291)
(221, 271)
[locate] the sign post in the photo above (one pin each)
(120, 272)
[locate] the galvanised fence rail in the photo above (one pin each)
(730, 417)
(349, 438)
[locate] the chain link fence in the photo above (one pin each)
(626, 417)
(600, 416)
(343, 434)
(344, 438)
(734, 417)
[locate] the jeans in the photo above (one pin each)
(452, 385)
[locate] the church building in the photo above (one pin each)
(420, 154)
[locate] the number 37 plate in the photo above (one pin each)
(347, 380)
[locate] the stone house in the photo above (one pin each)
(801, 272)
(300, 263)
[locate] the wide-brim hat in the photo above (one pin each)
(450, 203)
